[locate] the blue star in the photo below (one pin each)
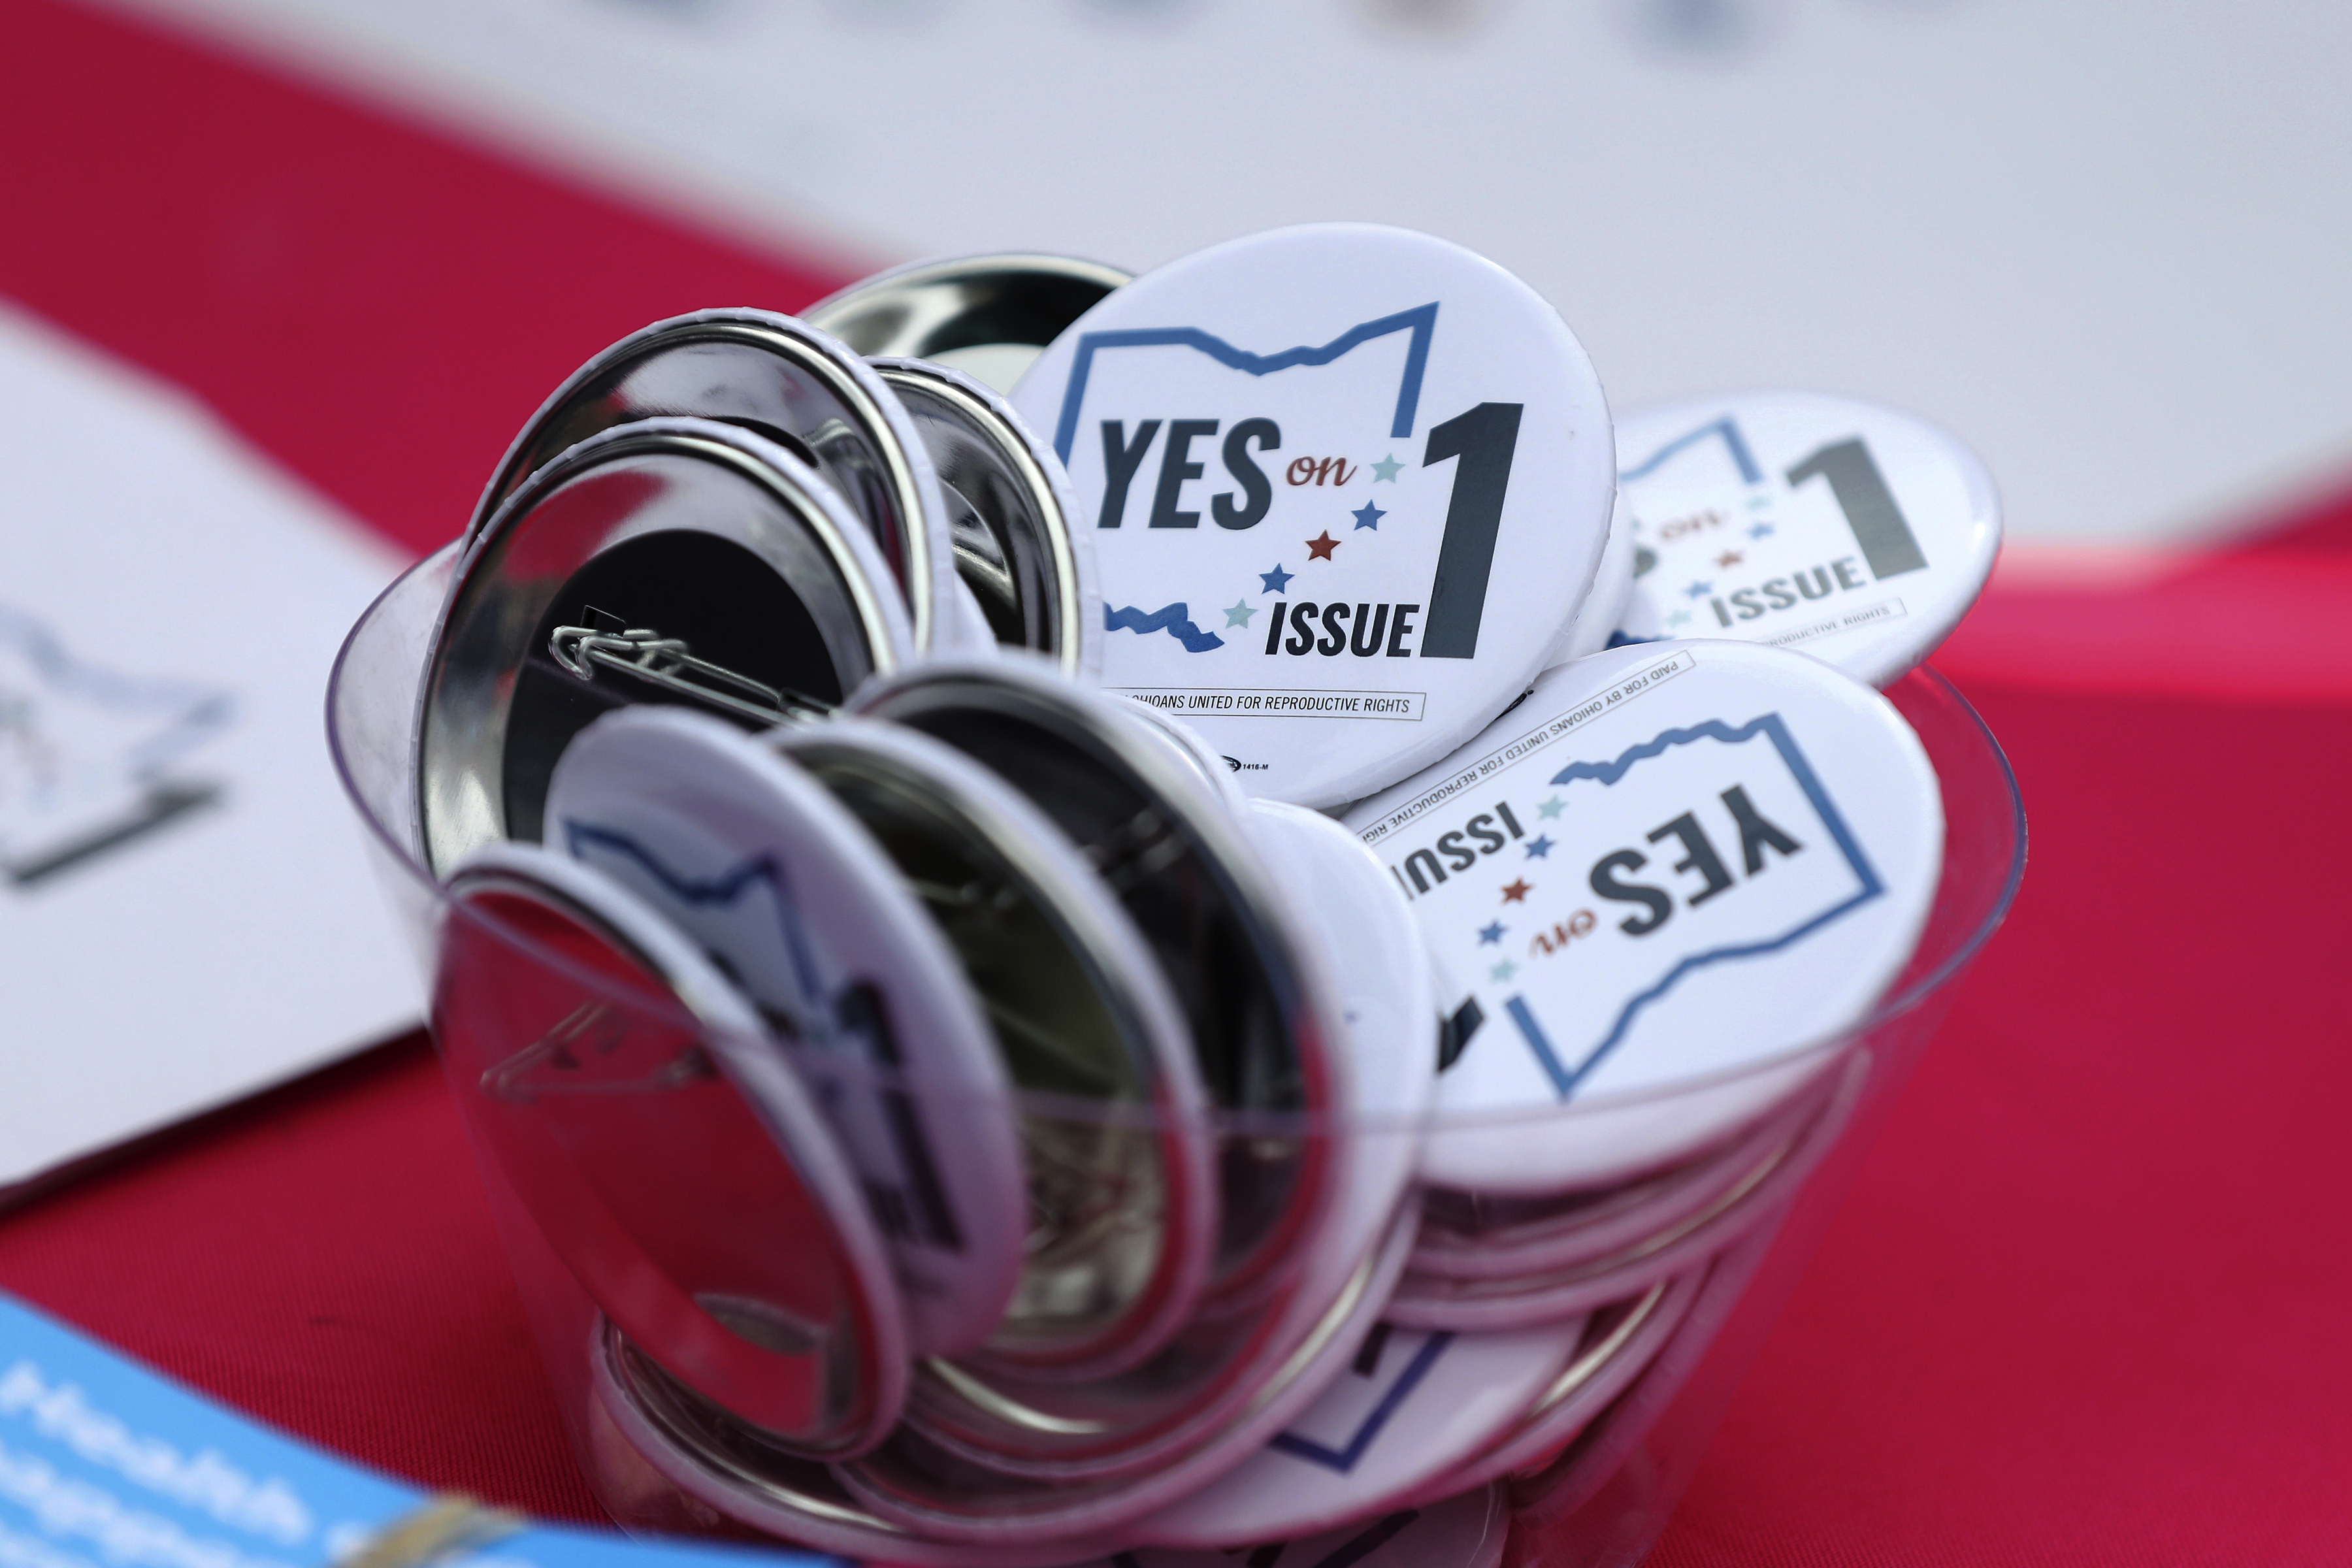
(1760, 531)
(1699, 590)
(1276, 580)
(1490, 935)
(1539, 847)
(1368, 516)
(1504, 970)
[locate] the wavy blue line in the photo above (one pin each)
(1175, 619)
(1422, 320)
(1774, 729)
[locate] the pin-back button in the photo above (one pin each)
(625, 1090)
(680, 562)
(1337, 893)
(775, 882)
(987, 316)
(801, 388)
(1411, 1406)
(690, 1444)
(1658, 886)
(1018, 548)
(1184, 872)
(1346, 484)
(1849, 531)
(1468, 1530)
(1122, 1210)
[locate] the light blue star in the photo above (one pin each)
(1504, 970)
(1368, 516)
(1539, 847)
(1491, 935)
(1276, 580)
(1385, 470)
(1760, 531)
(1551, 807)
(1757, 503)
(1699, 590)
(1238, 613)
(1679, 617)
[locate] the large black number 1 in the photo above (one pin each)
(1878, 524)
(1484, 439)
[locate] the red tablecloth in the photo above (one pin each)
(2087, 1302)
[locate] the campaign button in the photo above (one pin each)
(752, 860)
(1659, 890)
(1845, 531)
(1346, 487)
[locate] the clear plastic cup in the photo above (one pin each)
(1603, 1497)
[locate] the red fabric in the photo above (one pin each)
(377, 306)
(2086, 1303)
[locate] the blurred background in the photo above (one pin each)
(281, 278)
(2103, 243)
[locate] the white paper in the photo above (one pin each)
(186, 914)
(2100, 244)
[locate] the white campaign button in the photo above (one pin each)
(1854, 533)
(767, 872)
(1411, 1406)
(1347, 485)
(679, 1171)
(1335, 901)
(1652, 885)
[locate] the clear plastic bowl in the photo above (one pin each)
(1604, 1500)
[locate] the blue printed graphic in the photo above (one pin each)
(721, 891)
(1733, 442)
(1175, 619)
(102, 1461)
(1565, 1078)
(1421, 321)
(1343, 1459)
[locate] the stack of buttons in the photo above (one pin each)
(1026, 1061)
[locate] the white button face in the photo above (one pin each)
(757, 863)
(1411, 1406)
(1346, 485)
(1850, 532)
(1671, 865)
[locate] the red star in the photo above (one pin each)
(1730, 558)
(1320, 548)
(1516, 893)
